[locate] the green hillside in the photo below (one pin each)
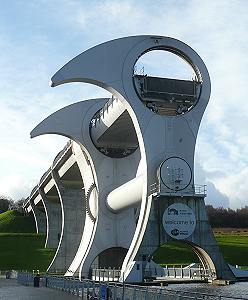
(23, 251)
(13, 221)
(20, 247)
(233, 247)
(175, 253)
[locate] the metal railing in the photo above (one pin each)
(194, 190)
(8, 274)
(103, 110)
(87, 289)
(56, 160)
(190, 272)
(200, 189)
(194, 273)
(61, 154)
(109, 275)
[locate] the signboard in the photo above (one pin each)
(179, 221)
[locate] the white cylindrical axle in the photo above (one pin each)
(127, 195)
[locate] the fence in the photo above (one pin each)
(191, 272)
(103, 291)
(8, 274)
(106, 275)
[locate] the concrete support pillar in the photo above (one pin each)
(53, 219)
(196, 228)
(73, 215)
(39, 217)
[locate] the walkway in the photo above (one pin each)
(11, 290)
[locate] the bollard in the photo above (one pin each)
(7, 275)
(37, 280)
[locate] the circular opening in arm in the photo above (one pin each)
(166, 82)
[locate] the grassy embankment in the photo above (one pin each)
(20, 247)
(233, 244)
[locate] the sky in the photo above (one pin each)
(38, 37)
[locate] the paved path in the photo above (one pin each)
(11, 290)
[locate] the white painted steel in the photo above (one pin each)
(29, 208)
(106, 120)
(37, 199)
(127, 195)
(110, 66)
(106, 173)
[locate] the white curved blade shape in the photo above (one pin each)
(68, 120)
(101, 65)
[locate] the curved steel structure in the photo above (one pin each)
(135, 154)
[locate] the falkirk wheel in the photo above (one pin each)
(135, 154)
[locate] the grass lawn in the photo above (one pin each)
(175, 253)
(20, 251)
(13, 221)
(233, 246)
(20, 247)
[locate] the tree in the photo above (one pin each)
(19, 204)
(222, 217)
(5, 203)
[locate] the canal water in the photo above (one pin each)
(239, 289)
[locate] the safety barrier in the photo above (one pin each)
(192, 272)
(109, 275)
(189, 272)
(91, 290)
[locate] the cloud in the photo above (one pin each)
(15, 186)
(214, 196)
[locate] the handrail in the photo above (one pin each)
(88, 289)
(57, 159)
(196, 190)
(102, 111)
